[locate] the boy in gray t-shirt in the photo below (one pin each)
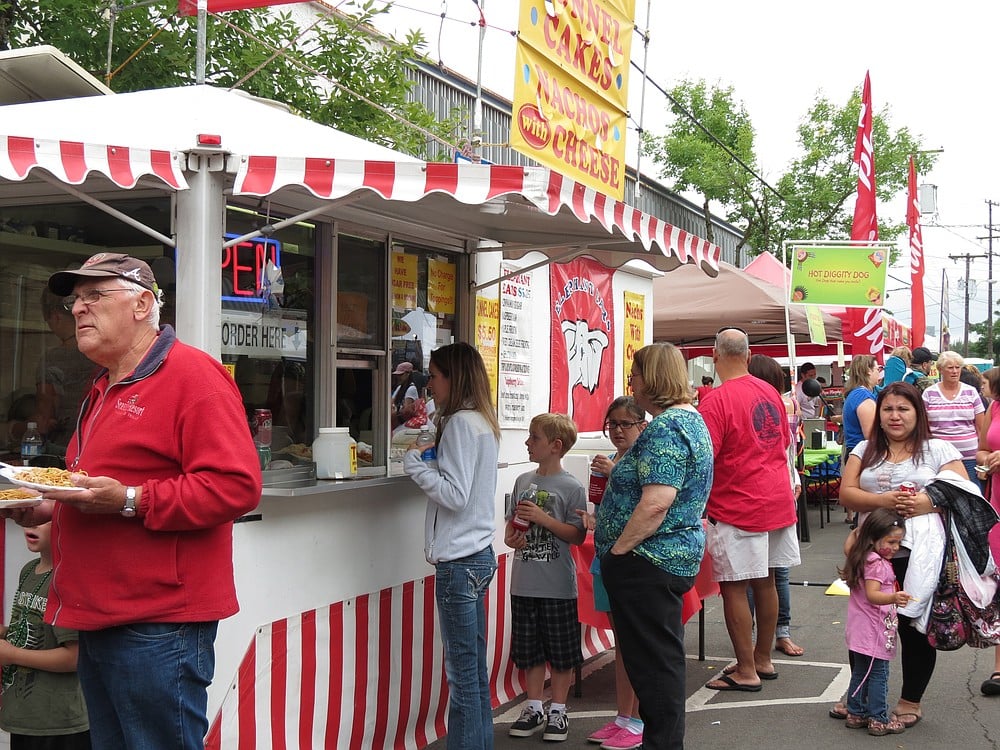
(545, 627)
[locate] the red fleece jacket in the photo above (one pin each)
(177, 428)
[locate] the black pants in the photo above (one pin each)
(916, 656)
(646, 605)
(79, 741)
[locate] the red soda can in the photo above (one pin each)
(262, 424)
(908, 487)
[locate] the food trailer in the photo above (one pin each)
(311, 263)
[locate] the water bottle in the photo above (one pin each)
(425, 444)
(31, 444)
(531, 495)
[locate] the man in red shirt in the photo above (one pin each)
(751, 509)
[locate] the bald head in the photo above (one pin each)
(732, 354)
(732, 343)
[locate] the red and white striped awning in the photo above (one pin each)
(494, 189)
(72, 162)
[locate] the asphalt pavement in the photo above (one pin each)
(791, 712)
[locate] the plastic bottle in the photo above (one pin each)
(335, 453)
(598, 483)
(31, 443)
(530, 494)
(425, 444)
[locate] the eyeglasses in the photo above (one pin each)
(88, 298)
(609, 426)
(732, 328)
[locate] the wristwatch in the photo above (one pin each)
(129, 510)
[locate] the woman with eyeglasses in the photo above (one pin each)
(624, 421)
(650, 540)
(900, 448)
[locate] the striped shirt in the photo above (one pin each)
(955, 421)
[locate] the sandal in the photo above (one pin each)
(882, 728)
(992, 685)
(839, 711)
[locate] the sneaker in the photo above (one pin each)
(558, 727)
(606, 732)
(624, 740)
(882, 728)
(527, 723)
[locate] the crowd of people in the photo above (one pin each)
(709, 473)
(721, 481)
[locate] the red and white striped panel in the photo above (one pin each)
(366, 672)
(471, 184)
(72, 161)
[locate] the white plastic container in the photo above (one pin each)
(335, 453)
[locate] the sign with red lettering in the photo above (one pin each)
(243, 268)
(571, 88)
(582, 342)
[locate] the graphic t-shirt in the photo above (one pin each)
(674, 450)
(544, 567)
(36, 702)
(749, 426)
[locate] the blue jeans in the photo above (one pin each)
(460, 589)
(868, 695)
(146, 684)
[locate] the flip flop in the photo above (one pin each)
(992, 685)
(763, 675)
(785, 649)
(730, 684)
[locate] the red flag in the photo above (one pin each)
(190, 7)
(918, 321)
(865, 222)
(865, 323)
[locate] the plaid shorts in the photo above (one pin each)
(544, 630)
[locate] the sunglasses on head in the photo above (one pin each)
(732, 328)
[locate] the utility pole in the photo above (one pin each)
(989, 284)
(968, 263)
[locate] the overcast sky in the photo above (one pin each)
(933, 67)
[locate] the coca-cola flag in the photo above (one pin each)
(918, 320)
(582, 342)
(865, 225)
(864, 325)
(190, 7)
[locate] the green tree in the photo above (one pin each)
(696, 160)
(319, 71)
(817, 190)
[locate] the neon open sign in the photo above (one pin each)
(243, 268)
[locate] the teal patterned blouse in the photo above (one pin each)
(674, 450)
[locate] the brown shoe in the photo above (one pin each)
(881, 729)
(853, 721)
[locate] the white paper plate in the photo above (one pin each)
(22, 502)
(11, 473)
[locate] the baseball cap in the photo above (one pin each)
(920, 355)
(104, 265)
(403, 367)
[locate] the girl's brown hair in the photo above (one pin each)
(878, 524)
(469, 384)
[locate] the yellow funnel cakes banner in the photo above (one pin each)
(571, 88)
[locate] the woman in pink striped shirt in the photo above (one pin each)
(955, 410)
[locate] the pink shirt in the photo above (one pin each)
(871, 628)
